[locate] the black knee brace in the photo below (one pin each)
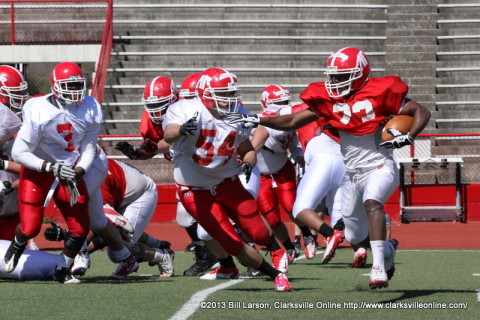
(74, 243)
(138, 251)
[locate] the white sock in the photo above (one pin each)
(378, 253)
(64, 262)
(122, 254)
(157, 256)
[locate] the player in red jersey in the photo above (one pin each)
(356, 106)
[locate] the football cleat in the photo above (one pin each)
(81, 263)
(204, 260)
(124, 269)
(165, 263)
(390, 262)
(221, 273)
(190, 247)
(251, 273)
(279, 260)
(13, 254)
(291, 255)
(360, 258)
(298, 247)
(378, 278)
(281, 283)
(310, 249)
(64, 276)
(332, 244)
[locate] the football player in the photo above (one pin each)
(277, 173)
(56, 147)
(204, 149)
(159, 93)
(356, 106)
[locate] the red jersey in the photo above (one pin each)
(114, 186)
(306, 133)
(362, 112)
(151, 132)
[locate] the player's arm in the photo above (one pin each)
(259, 137)
(420, 114)
(247, 153)
(283, 123)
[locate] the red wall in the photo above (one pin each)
(422, 195)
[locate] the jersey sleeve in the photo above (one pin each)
(9, 124)
(394, 91)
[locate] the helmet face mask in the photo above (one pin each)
(158, 95)
(217, 88)
(13, 87)
(347, 70)
(68, 83)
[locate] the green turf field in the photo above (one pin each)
(327, 291)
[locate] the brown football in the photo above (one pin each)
(401, 123)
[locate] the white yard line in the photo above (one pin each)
(193, 304)
(478, 295)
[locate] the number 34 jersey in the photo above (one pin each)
(358, 118)
(208, 157)
(57, 132)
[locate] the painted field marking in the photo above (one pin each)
(478, 295)
(193, 304)
(476, 274)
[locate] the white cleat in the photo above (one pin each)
(378, 278)
(81, 263)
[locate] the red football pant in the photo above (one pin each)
(285, 194)
(33, 190)
(212, 211)
(7, 226)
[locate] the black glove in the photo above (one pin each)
(399, 140)
(247, 121)
(128, 149)
(189, 127)
(246, 168)
(6, 187)
(55, 233)
(149, 146)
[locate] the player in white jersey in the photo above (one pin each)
(56, 147)
(204, 149)
(278, 177)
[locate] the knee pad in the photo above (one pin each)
(73, 242)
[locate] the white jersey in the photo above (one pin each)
(363, 152)
(137, 183)
(208, 157)
(10, 123)
(33, 264)
(9, 202)
(273, 156)
(56, 132)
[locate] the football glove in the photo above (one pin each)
(128, 149)
(149, 146)
(73, 190)
(246, 168)
(399, 140)
(189, 127)
(247, 121)
(55, 233)
(62, 170)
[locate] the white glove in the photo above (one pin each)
(399, 140)
(61, 170)
(73, 190)
(247, 121)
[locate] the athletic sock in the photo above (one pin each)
(326, 231)
(288, 245)
(19, 242)
(122, 254)
(272, 244)
(268, 269)
(227, 262)
(378, 253)
(64, 262)
(305, 231)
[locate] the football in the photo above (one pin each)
(401, 123)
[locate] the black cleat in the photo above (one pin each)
(63, 275)
(204, 260)
(13, 254)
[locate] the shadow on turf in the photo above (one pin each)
(410, 294)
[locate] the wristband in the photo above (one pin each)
(48, 167)
(5, 165)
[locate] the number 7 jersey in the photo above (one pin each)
(208, 157)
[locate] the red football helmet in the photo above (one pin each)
(218, 88)
(158, 95)
(13, 87)
(68, 83)
(348, 70)
(188, 88)
(275, 94)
